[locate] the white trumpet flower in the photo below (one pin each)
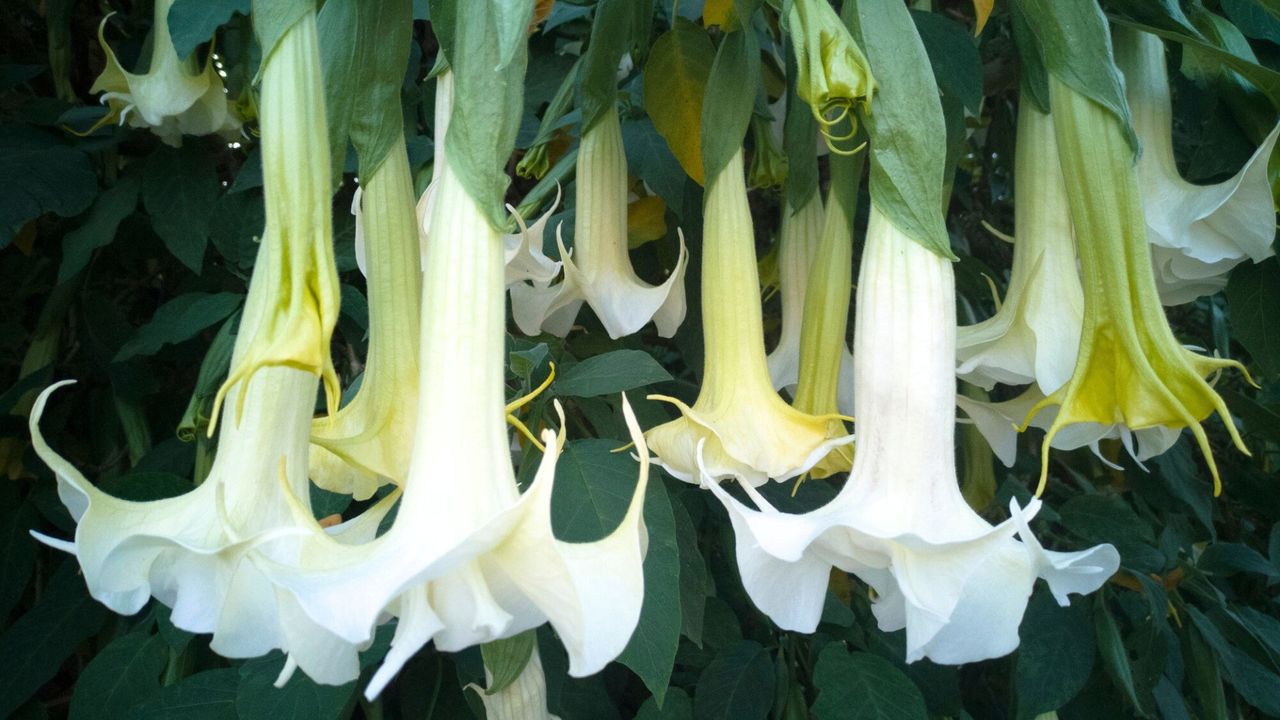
(202, 553)
(368, 442)
(750, 432)
(1197, 232)
(524, 699)
(1034, 335)
(958, 585)
(797, 244)
(469, 559)
(173, 98)
(600, 273)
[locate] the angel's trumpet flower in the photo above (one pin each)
(469, 559)
(368, 441)
(957, 584)
(524, 699)
(823, 351)
(199, 553)
(797, 245)
(832, 73)
(749, 430)
(173, 98)
(1130, 368)
(1197, 233)
(600, 272)
(1033, 336)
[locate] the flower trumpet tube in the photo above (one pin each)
(832, 73)
(826, 310)
(1197, 233)
(599, 272)
(524, 699)
(797, 244)
(294, 326)
(201, 553)
(469, 559)
(958, 585)
(748, 430)
(1130, 368)
(173, 98)
(522, 249)
(368, 441)
(1033, 336)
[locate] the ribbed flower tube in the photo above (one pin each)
(369, 441)
(523, 699)
(749, 431)
(1197, 232)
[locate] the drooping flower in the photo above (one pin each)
(1130, 368)
(958, 585)
(469, 559)
(797, 244)
(200, 552)
(173, 98)
(1197, 232)
(368, 441)
(599, 272)
(750, 432)
(1034, 334)
(832, 74)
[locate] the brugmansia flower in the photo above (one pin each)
(797, 244)
(600, 272)
(832, 73)
(368, 442)
(1197, 233)
(957, 584)
(522, 249)
(748, 430)
(201, 553)
(469, 559)
(1130, 368)
(1034, 334)
(174, 97)
(524, 699)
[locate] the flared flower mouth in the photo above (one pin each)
(173, 98)
(599, 271)
(900, 523)
(1198, 232)
(750, 432)
(1130, 369)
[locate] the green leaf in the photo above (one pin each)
(1255, 683)
(1055, 654)
(35, 646)
(38, 174)
(1227, 559)
(17, 549)
(1107, 518)
(301, 698)
(610, 373)
(1252, 19)
(676, 77)
(693, 575)
(610, 37)
(99, 228)
(862, 686)
(954, 57)
(208, 695)
(1253, 295)
(505, 659)
(192, 22)
(237, 224)
(1114, 656)
(1075, 43)
(179, 191)
(1203, 676)
(142, 486)
(730, 98)
(736, 685)
(677, 706)
(650, 158)
(273, 18)
(593, 489)
(651, 652)
(179, 320)
(122, 676)
(799, 143)
(908, 148)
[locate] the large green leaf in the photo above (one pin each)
(651, 653)
(179, 320)
(208, 695)
(908, 148)
(1055, 654)
(731, 95)
(38, 174)
(35, 646)
(610, 373)
(676, 80)
(593, 489)
(99, 228)
(125, 674)
(862, 686)
(610, 37)
(301, 698)
(192, 22)
(736, 685)
(179, 190)
(1254, 297)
